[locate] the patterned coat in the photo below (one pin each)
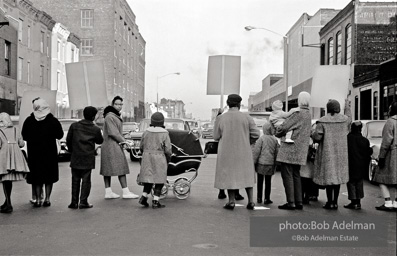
(331, 165)
(300, 125)
(388, 150)
(234, 165)
(156, 149)
(113, 160)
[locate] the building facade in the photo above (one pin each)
(363, 35)
(173, 108)
(108, 32)
(8, 64)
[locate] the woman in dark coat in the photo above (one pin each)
(41, 130)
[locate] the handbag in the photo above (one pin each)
(211, 147)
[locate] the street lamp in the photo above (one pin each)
(249, 28)
(176, 73)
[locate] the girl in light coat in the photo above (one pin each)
(156, 153)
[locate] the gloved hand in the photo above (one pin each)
(381, 162)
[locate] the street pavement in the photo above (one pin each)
(197, 225)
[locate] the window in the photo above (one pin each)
(87, 47)
(28, 36)
(59, 81)
(331, 51)
(28, 69)
(20, 66)
(375, 117)
(339, 48)
(59, 50)
(41, 75)
(48, 46)
(20, 29)
(348, 44)
(72, 55)
(42, 38)
(87, 18)
(7, 57)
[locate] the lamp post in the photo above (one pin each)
(175, 73)
(249, 28)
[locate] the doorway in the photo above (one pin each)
(365, 105)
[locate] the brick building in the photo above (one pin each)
(173, 108)
(362, 35)
(108, 32)
(8, 64)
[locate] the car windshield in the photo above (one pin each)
(192, 124)
(129, 127)
(169, 124)
(374, 129)
(208, 126)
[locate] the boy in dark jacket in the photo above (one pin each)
(359, 157)
(81, 140)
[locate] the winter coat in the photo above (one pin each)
(234, 165)
(81, 139)
(113, 160)
(388, 150)
(156, 149)
(265, 150)
(331, 165)
(41, 137)
(300, 125)
(359, 156)
(11, 156)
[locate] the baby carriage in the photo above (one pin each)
(186, 158)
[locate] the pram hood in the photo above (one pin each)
(186, 141)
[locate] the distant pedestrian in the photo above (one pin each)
(13, 166)
(331, 162)
(386, 174)
(41, 130)
(278, 116)
(292, 155)
(81, 139)
(234, 166)
(156, 153)
(113, 160)
(359, 157)
(265, 154)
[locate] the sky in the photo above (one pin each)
(180, 35)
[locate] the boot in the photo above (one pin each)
(156, 204)
(143, 201)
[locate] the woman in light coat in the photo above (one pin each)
(331, 166)
(386, 174)
(113, 160)
(234, 165)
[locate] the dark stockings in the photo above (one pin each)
(7, 188)
(332, 193)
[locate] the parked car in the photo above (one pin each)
(260, 118)
(194, 127)
(63, 153)
(372, 130)
(129, 127)
(207, 130)
(134, 138)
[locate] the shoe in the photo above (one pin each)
(384, 208)
(143, 201)
(156, 204)
(112, 196)
(313, 198)
(259, 200)
(3, 206)
(229, 206)
(238, 197)
(32, 201)
(352, 206)
(286, 206)
(328, 206)
(289, 141)
(221, 195)
(251, 206)
(46, 204)
(299, 207)
(7, 209)
(334, 207)
(268, 201)
(37, 204)
(85, 206)
(73, 206)
(130, 196)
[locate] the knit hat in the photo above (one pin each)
(233, 99)
(333, 106)
(277, 105)
(90, 113)
(157, 119)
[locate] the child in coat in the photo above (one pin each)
(359, 152)
(156, 153)
(81, 139)
(265, 154)
(278, 116)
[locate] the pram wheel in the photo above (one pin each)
(182, 188)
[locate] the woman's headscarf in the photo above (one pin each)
(304, 99)
(5, 120)
(40, 109)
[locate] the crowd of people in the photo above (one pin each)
(324, 157)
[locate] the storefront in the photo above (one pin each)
(388, 83)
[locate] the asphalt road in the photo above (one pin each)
(197, 225)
